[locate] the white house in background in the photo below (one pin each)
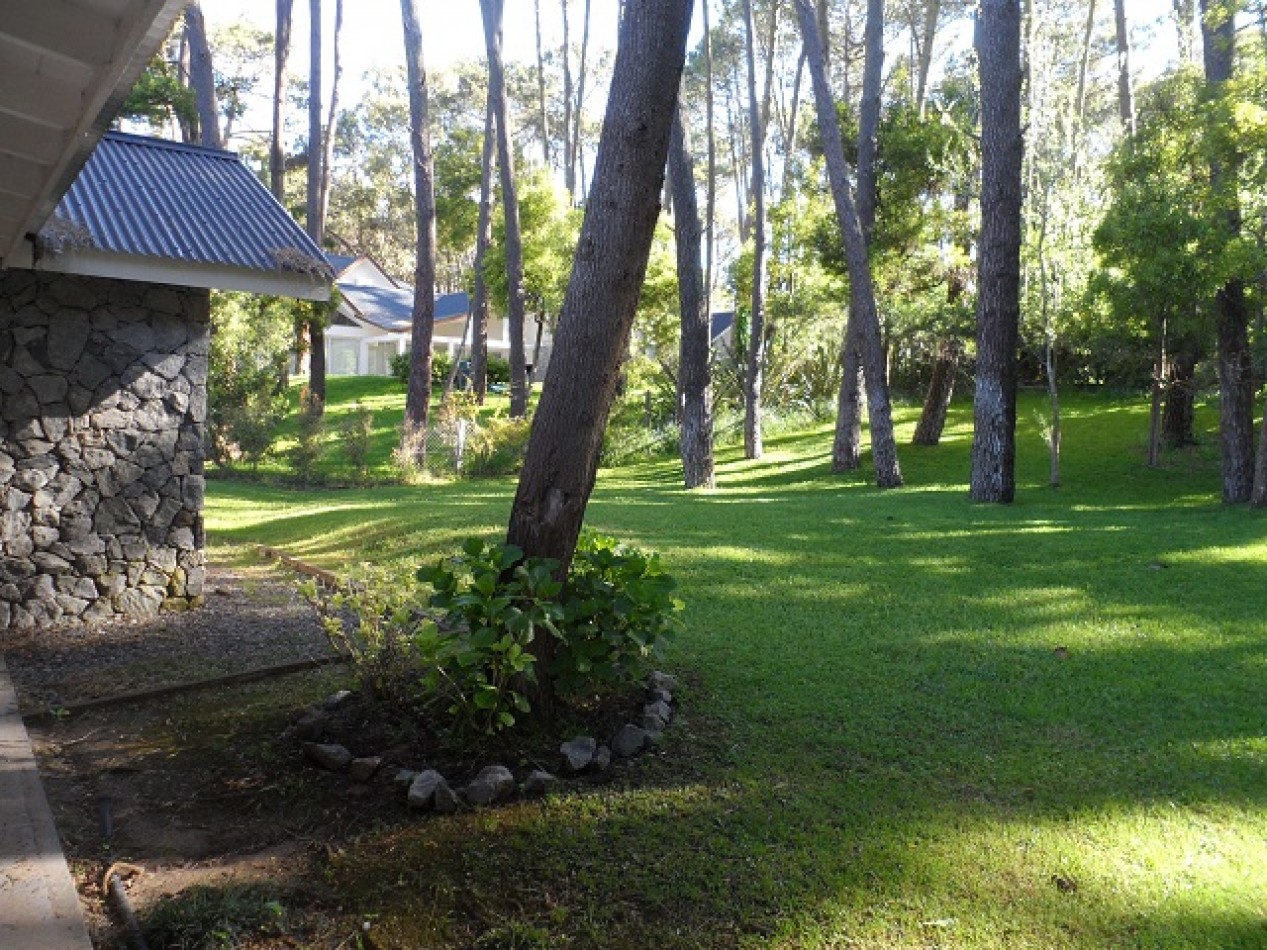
(374, 323)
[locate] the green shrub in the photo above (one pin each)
(463, 651)
(619, 613)
(498, 370)
(496, 448)
(441, 363)
(357, 431)
(309, 437)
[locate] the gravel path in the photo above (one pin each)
(254, 617)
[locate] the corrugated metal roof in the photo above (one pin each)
(155, 198)
(392, 308)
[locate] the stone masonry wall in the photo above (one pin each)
(103, 400)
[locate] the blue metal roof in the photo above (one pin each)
(392, 308)
(721, 322)
(155, 198)
(340, 262)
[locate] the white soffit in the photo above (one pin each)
(65, 68)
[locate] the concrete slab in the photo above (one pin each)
(39, 906)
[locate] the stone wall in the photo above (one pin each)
(103, 400)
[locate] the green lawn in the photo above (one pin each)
(911, 721)
(384, 396)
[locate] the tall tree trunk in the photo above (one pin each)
(1184, 13)
(569, 162)
(202, 77)
(756, 322)
(188, 124)
(1178, 419)
(1236, 391)
(1084, 62)
(492, 11)
(316, 224)
(941, 388)
(418, 400)
(847, 444)
(578, 114)
(541, 88)
(281, 53)
(861, 290)
(998, 45)
(710, 198)
(694, 389)
(332, 120)
(483, 238)
(932, 14)
(1125, 86)
(1161, 375)
(607, 276)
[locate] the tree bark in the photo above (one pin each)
(281, 53)
(847, 445)
(941, 389)
(569, 164)
(202, 76)
(861, 290)
(541, 88)
(1236, 391)
(1178, 418)
(316, 224)
(998, 300)
(710, 199)
(1125, 86)
(932, 14)
(418, 400)
(607, 275)
(483, 238)
(578, 115)
(492, 11)
(332, 120)
(756, 323)
(694, 389)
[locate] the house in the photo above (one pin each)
(104, 338)
(374, 323)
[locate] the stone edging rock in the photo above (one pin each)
(427, 789)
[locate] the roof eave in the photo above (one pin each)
(91, 262)
(140, 32)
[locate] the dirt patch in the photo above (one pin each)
(217, 822)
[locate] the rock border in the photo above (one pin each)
(426, 789)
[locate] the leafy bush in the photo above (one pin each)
(310, 437)
(497, 448)
(464, 651)
(498, 370)
(619, 613)
(356, 431)
(441, 363)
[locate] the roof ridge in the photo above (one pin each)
(154, 141)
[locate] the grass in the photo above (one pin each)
(382, 395)
(911, 721)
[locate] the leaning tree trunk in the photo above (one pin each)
(202, 76)
(847, 444)
(483, 239)
(492, 10)
(756, 323)
(941, 389)
(607, 275)
(1125, 86)
(281, 53)
(695, 396)
(543, 113)
(888, 473)
(316, 225)
(418, 400)
(1236, 391)
(999, 266)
